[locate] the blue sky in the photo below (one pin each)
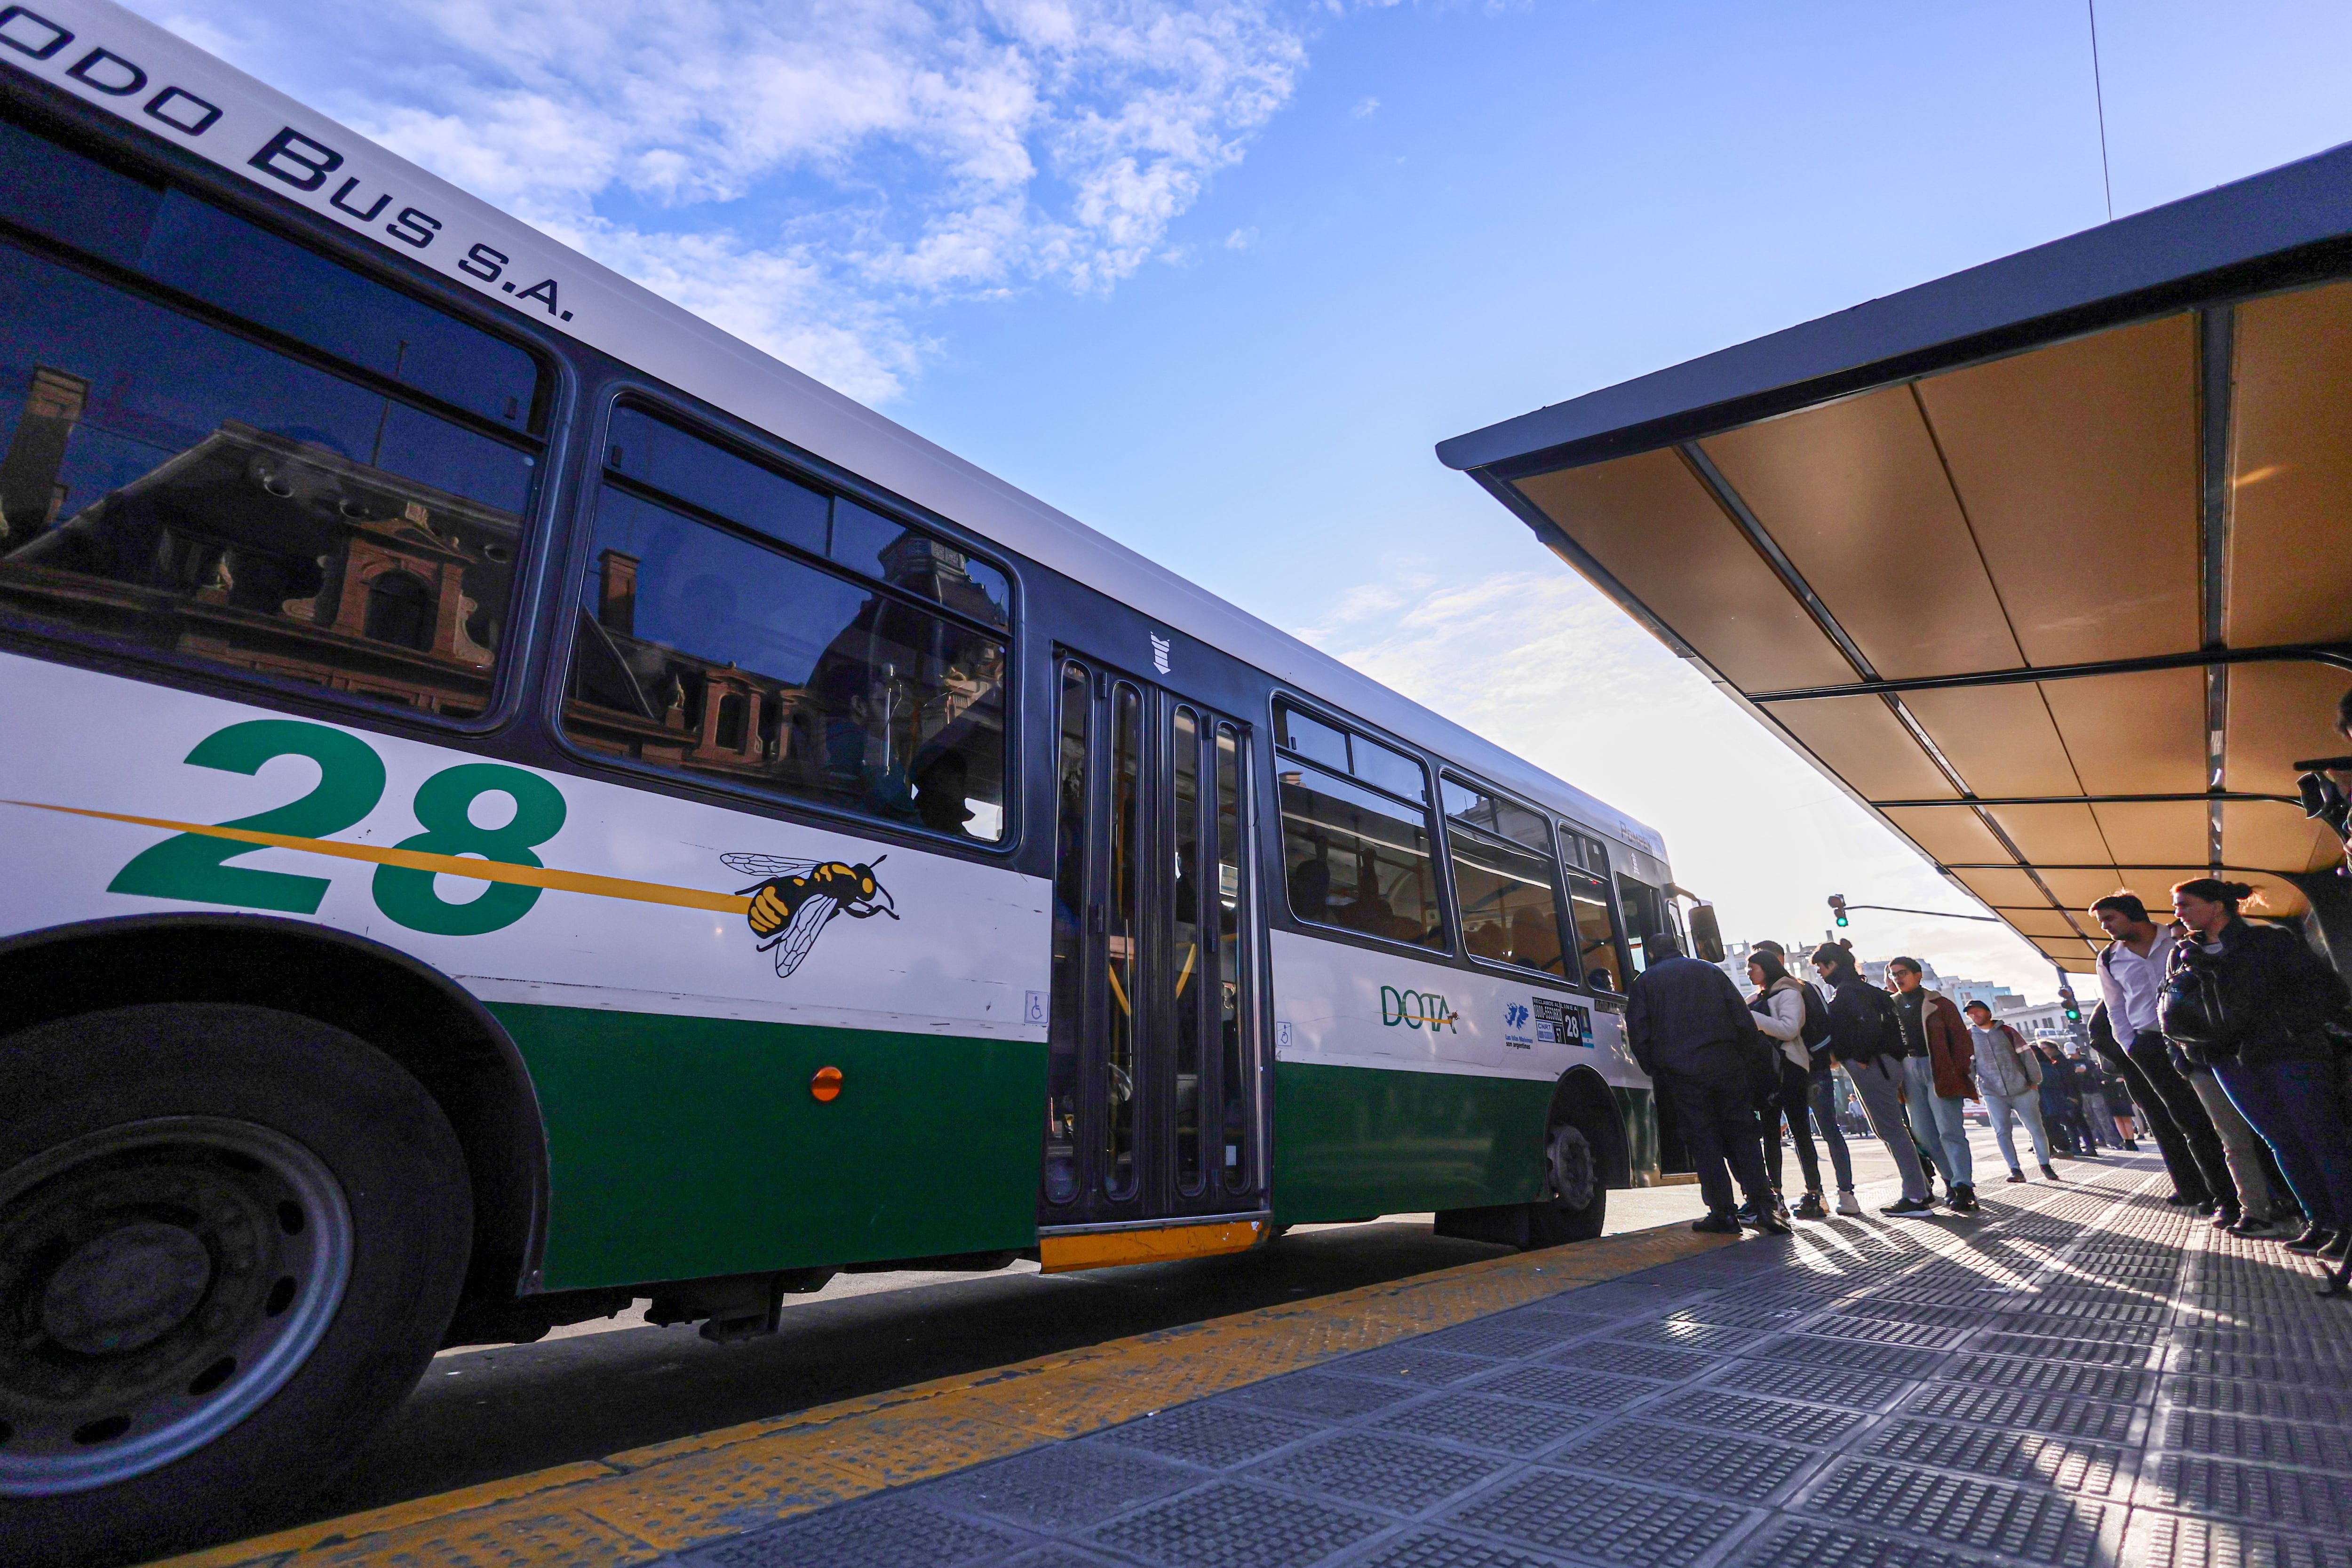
(1215, 278)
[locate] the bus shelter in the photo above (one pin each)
(2048, 563)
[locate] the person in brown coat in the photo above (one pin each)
(1939, 1075)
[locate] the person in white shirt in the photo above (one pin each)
(2230, 1182)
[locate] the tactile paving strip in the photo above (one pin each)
(1385, 1472)
(1895, 1360)
(1315, 1394)
(2190, 1483)
(1231, 1526)
(2169, 1541)
(2016, 1407)
(1442, 1549)
(1635, 1361)
(2095, 1468)
(1920, 1333)
(1679, 1334)
(1745, 1314)
(1709, 1408)
(1215, 1436)
(1742, 1467)
(2015, 1521)
(2274, 1400)
(1062, 1485)
(890, 1532)
(1504, 1342)
(1797, 1544)
(2260, 1442)
(1826, 1385)
(2134, 1352)
(2120, 1384)
(1594, 1518)
(1476, 1423)
(1552, 1385)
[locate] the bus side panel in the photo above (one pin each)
(1351, 1142)
(685, 1147)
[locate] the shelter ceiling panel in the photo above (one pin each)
(1649, 521)
(1950, 833)
(2076, 465)
(2144, 832)
(2076, 955)
(2290, 575)
(2134, 734)
(2040, 922)
(1859, 740)
(1834, 486)
(2274, 895)
(2280, 713)
(2276, 837)
(2079, 887)
(1999, 737)
(2052, 835)
(2002, 889)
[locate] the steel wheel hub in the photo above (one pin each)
(158, 1281)
(1575, 1175)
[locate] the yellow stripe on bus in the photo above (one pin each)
(444, 865)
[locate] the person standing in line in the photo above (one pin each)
(2254, 1001)
(1780, 1008)
(1694, 1035)
(1939, 1073)
(2058, 1112)
(2148, 1109)
(2117, 1090)
(1820, 1092)
(2131, 983)
(2009, 1075)
(1867, 1041)
(2091, 1087)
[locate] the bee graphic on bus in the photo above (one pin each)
(799, 898)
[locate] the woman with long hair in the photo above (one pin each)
(1780, 1008)
(2252, 1003)
(1867, 1041)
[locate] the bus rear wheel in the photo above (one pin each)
(230, 1239)
(1576, 1202)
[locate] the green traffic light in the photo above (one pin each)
(1840, 919)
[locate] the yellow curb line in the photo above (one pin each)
(636, 1505)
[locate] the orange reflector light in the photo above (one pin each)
(826, 1084)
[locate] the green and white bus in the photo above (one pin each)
(516, 802)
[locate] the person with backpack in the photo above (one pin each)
(2253, 1004)
(1780, 1008)
(2008, 1076)
(2131, 984)
(1867, 1042)
(1694, 1035)
(2061, 1111)
(1819, 1089)
(1939, 1076)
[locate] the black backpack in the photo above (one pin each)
(1816, 1034)
(1890, 1028)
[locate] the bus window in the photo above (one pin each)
(1505, 882)
(1125, 925)
(172, 484)
(912, 560)
(1596, 936)
(1356, 859)
(1184, 944)
(1062, 1176)
(850, 694)
(1645, 912)
(1234, 963)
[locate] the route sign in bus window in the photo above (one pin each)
(173, 485)
(1357, 860)
(712, 652)
(1506, 883)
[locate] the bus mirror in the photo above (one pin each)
(1707, 937)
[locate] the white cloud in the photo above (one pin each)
(1240, 240)
(810, 174)
(1365, 108)
(1543, 666)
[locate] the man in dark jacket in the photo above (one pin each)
(1694, 1035)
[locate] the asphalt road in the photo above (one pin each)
(486, 1413)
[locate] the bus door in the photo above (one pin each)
(1154, 1086)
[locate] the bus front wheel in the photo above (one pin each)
(230, 1239)
(1575, 1206)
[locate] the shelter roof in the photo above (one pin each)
(2045, 562)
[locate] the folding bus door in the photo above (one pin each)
(1153, 1099)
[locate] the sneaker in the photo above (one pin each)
(1910, 1206)
(1964, 1200)
(1848, 1205)
(2313, 1238)
(1809, 1207)
(1746, 1213)
(2015, 1174)
(1717, 1224)
(2262, 1229)
(2050, 1174)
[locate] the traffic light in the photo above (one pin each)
(2071, 1009)
(1837, 907)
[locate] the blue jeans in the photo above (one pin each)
(2026, 1104)
(2298, 1108)
(1826, 1122)
(1938, 1120)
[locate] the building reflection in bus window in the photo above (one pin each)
(1505, 882)
(711, 651)
(168, 483)
(1357, 860)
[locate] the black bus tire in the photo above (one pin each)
(1576, 1205)
(230, 1241)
